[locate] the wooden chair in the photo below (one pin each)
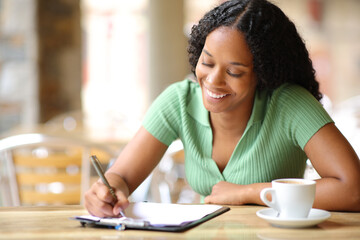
(42, 169)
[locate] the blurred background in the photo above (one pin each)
(98, 64)
(109, 59)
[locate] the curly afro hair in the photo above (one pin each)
(279, 53)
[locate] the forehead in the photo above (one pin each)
(229, 42)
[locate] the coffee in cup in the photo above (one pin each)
(291, 197)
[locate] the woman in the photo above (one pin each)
(252, 116)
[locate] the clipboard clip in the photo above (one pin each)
(118, 223)
(124, 222)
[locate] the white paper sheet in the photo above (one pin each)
(168, 214)
(162, 214)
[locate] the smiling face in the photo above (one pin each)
(225, 71)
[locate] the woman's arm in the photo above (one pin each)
(339, 167)
(335, 161)
(134, 164)
(236, 194)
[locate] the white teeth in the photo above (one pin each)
(213, 95)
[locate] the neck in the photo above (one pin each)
(231, 122)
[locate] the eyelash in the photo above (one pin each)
(228, 72)
(234, 74)
(207, 64)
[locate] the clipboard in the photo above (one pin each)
(164, 217)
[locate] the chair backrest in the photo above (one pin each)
(44, 169)
(168, 182)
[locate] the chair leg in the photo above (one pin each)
(85, 173)
(8, 181)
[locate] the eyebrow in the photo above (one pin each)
(232, 63)
(207, 53)
(239, 64)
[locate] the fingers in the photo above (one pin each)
(104, 193)
(227, 193)
(99, 201)
(207, 199)
(96, 206)
(214, 192)
(121, 204)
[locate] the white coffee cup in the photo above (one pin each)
(290, 197)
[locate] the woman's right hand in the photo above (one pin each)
(99, 201)
(135, 162)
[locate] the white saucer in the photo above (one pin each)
(315, 217)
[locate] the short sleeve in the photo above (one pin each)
(163, 118)
(300, 113)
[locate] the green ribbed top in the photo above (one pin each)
(271, 147)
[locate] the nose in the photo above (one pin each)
(215, 77)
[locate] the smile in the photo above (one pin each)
(213, 95)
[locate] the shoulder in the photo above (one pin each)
(182, 86)
(291, 99)
(165, 117)
(181, 89)
(293, 96)
(174, 97)
(292, 91)
(299, 113)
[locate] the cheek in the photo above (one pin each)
(200, 71)
(197, 71)
(253, 79)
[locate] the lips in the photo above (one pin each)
(214, 95)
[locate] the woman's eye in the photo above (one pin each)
(207, 64)
(234, 74)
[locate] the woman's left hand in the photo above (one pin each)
(226, 193)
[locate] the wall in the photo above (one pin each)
(40, 61)
(18, 59)
(59, 57)
(331, 31)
